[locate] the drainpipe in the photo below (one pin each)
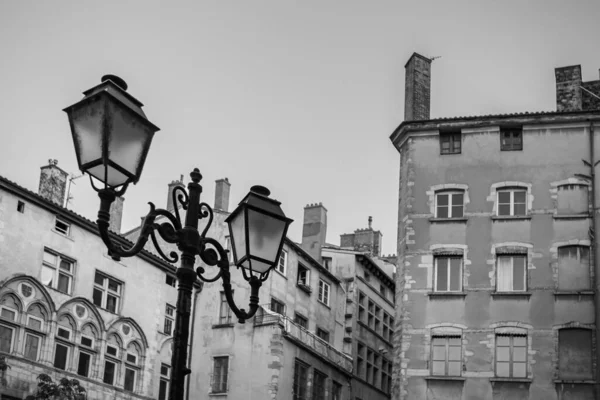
(596, 248)
(193, 311)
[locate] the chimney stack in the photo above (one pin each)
(363, 240)
(568, 88)
(116, 214)
(172, 186)
(222, 187)
(314, 229)
(53, 183)
(417, 95)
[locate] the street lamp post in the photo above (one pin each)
(112, 137)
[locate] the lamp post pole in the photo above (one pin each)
(112, 137)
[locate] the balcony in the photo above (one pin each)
(303, 337)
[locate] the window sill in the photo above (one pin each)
(304, 287)
(63, 235)
(217, 394)
(227, 325)
(448, 220)
(573, 382)
(445, 378)
(511, 294)
(511, 380)
(561, 293)
(450, 153)
(446, 294)
(571, 216)
(511, 217)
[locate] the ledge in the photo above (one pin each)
(571, 216)
(561, 293)
(448, 220)
(305, 288)
(228, 325)
(511, 380)
(573, 382)
(511, 294)
(445, 378)
(446, 294)
(511, 217)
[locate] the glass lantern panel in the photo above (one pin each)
(113, 177)
(87, 125)
(265, 235)
(237, 226)
(259, 266)
(128, 138)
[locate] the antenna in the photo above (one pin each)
(68, 196)
(434, 58)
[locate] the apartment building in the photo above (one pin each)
(497, 275)
(68, 310)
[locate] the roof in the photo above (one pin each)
(80, 220)
(367, 261)
(310, 259)
(537, 117)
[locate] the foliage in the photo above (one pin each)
(66, 389)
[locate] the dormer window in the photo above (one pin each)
(62, 227)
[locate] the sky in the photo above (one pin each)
(297, 96)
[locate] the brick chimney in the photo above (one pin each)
(222, 187)
(173, 185)
(417, 93)
(116, 214)
(314, 229)
(53, 183)
(568, 88)
(364, 240)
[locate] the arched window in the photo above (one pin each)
(36, 319)
(63, 347)
(132, 366)
(86, 348)
(574, 268)
(10, 308)
(112, 361)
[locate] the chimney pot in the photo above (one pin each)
(222, 188)
(417, 95)
(171, 187)
(314, 229)
(53, 183)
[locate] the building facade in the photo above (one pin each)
(497, 277)
(69, 310)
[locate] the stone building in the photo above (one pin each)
(369, 294)
(497, 276)
(69, 310)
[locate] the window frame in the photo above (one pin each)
(115, 371)
(447, 346)
(69, 349)
(173, 279)
(303, 269)
(301, 320)
(583, 262)
(11, 310)
(511, 131)
(324, 294)
(300, 380)
(564, 374)
(436, 260)
(39, 346)
(66, 231)
(164, 378)
(512, 203)
(134, 383)
(40, 320)
(223, 385)
(90, 363)
(512, 266)
(169, 319)
(12, 338)
(322, 334)
(454, 140)
(362, 310)
(225, 308)
(57, 271)
(319, 388)
(277, 302)
(21, 206)
(282, 261)
(106, 292)
(450, 206)
(511, 360)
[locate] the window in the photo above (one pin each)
(575, 354)
(324, 288)
(109, 372)
(512, 202)
(361, 306)
(370, 373)
(367, 276)
(129, 383)
(224, 310)
(62, 227)
(111, 350)
(377, 324)
(323, 334)
(303, 275)
(387, 330)
(336, 391)
(572, 199)
(512, 273)
(282, 264)
(277, 306)
(32, 347)
(107, 292)
(327, 263)
(300, 388)
(83, 366)
(450, 143)
(386, 375)
(87, 342)
(131, 358)
(57, 272)
(382, 290)
(6, 339)
(63, 333)
(360, 359)
(61, 353)
(574, 268)
(448, 274)
(169, 319)
(229, 249)
(35, 323)
(449, 204)
(318, 385)
(446, 355)
(511, 356)
(376, 372)
(20, 206)
(170, 280)
(163, 386)
(8, 313)
(511, 139)
(301, 320)
(220, 369)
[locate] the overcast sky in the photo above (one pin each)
(300, 96)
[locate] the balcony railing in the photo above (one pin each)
(265, 316)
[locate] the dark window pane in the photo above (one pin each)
(457, 211)
(63, 283)
(113, 285)
(111, 350)
(109, 372)
(97, 297)
(519, 209)
(442, 274)
(83, 368)
(162, 390)
(442, 212)
(60, 356)
(129, 379)
(111, 303)
(65, 265)
(519, 196)
(504, 197)
(99, 279)
(503, 209)
(442, 199)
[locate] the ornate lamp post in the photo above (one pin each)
(112, 137)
